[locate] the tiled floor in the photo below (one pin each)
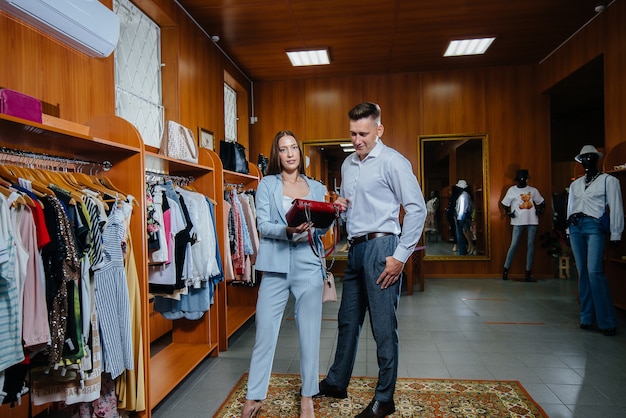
(457, 328)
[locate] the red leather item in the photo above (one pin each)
(20, 105)
(322, 214)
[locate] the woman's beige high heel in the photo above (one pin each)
(251, 408)
(306, 407)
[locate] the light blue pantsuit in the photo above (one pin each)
(288, 267)
(305, 283)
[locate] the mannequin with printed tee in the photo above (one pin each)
(588, 199)
(522, 203)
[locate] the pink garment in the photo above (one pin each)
(251, 223)
(229, 273)
(238, 257)
(35, 328)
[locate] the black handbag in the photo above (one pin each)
(233, 156)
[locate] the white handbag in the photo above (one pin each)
(179, 142)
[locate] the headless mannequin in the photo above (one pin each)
(522, 182)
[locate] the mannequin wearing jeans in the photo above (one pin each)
(523, 204)
(588, 197)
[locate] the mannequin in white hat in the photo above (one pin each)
(464, 213)
(589, 196)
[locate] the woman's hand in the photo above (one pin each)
(303, 227)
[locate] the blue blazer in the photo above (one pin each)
(271, 223)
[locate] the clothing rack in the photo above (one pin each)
(153, 175)
(50, 162)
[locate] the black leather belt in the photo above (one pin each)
(367, 237)
(575, 217)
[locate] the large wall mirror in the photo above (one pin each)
(445, 161)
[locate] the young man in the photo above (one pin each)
(376, 182)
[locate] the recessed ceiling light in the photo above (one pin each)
(468, 47)
(302, 58)
(345, 144)
(348, 149)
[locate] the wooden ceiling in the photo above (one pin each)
(385, 36)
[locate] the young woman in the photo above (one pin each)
(289, 265)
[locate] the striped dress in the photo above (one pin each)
(112, 302)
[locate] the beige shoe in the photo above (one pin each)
(251, 408)
(307, 409)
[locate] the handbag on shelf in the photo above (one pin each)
(179, 142)
(14, 103)
(233, 156)
(322, 214)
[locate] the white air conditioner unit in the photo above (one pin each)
(86, 25)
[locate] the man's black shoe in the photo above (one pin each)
(378, 409)
(329, 391)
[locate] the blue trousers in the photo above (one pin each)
(305, 282)
(360, 293)
(596, 303)
(518, 230)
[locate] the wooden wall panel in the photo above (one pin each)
(278, 106)
(614, 79)
(39, 66)
(327, 102)
(201, 86)
(453, 102)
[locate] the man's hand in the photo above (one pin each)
(391, 274)
(343, 202)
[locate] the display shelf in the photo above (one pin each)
(170, 366)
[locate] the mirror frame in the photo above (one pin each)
(481, 206)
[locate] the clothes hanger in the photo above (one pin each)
(21, 198)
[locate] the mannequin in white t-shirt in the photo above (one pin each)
(522, 203)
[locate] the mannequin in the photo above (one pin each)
(430, 225)
(450, 214)
(463, 215)
(522, 203)
(588, 197)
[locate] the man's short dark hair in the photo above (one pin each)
(365, 110)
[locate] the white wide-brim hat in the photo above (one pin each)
(588, 149)
(462, 184)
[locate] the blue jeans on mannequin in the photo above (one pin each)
(530, 249)
(596, 304)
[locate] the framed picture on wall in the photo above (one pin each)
(206, 139)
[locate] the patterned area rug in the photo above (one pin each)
(432, 398)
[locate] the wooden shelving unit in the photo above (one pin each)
(114, 140)
(109, 139)
(615, 265)
(191, 340)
